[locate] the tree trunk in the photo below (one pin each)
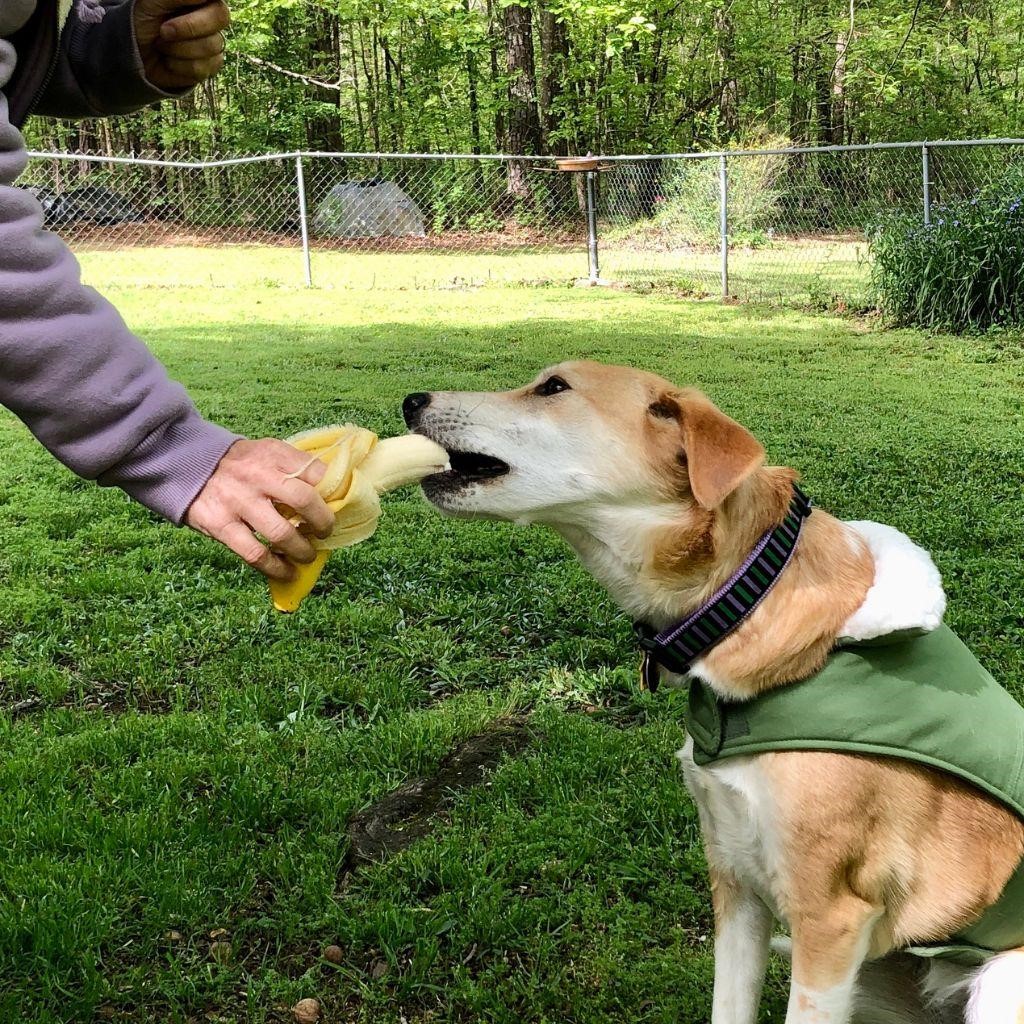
(500, 142)
(823, 94)
(824, 58)
(839, 90)
(389, 93)
(473, 80)
(372, 95)
(554, 49)
(355, 88)
(797, 106)
(729, 105)
(323, 131)
(524, 134)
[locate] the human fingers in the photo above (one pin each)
(307, 503)
(240, 539)
(194, 71)
(194, 49)
(206, 19)
(282, 535)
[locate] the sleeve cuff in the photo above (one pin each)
(168, 470)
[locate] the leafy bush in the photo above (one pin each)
(963, 271)
(691, 204)
(452, 197)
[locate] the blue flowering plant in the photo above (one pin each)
(962, 271)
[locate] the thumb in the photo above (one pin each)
(178, 18)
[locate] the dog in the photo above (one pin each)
(870, 861)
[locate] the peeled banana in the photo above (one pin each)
(360, 468)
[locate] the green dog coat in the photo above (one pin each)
(922, 698)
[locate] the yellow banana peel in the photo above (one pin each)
(360, 467)
(287, 596)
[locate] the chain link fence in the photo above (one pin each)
(776, 225)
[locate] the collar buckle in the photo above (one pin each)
(655, 650)
(650, 676)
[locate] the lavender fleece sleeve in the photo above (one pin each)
(88, 389)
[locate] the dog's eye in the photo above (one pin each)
(552, 386)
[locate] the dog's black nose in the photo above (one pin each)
(413, 406)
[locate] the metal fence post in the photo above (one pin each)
(723, 220)
(926, 185)
(592, 257)
(300, 181)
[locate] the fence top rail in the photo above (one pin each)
(145, 161)
(631, 158)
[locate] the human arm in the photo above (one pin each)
(140, 52)
(101, 403)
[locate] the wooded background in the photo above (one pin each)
(572, 76)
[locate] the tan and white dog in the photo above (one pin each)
(662, 496)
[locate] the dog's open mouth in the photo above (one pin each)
(470, 467)
(475, 466)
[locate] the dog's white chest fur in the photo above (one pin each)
(739, 819)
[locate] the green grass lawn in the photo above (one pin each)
(820, 272)
(177, 759)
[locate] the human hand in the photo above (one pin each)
(181, 42)
(238, 502)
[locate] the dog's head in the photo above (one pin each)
(580, 440)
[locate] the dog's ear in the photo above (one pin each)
(719, 453)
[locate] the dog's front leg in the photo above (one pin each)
(743, 927)
(829, 947)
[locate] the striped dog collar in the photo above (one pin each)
(679, 646)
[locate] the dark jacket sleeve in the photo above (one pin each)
(99, 70)
(88, 389)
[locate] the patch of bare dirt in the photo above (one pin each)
(411, 811)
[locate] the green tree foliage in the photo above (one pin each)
(601, 75)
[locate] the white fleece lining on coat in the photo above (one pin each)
(906, 597)
(907, 594)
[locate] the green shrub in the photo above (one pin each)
(962, 272)
(692, 197)
(688, 208)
